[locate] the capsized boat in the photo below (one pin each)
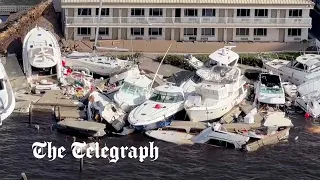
(175, 137)
(101, 105)
(134, 91)
(102, 65)
(224, 88)
(159, 109)
(7, 98)
(41, 50)
(298, 71)
(269, 89)
(218, 133)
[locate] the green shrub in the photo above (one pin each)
(136, 55)
(246, 59)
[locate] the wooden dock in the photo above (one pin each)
(270, 140)
(56, 98)
(68, 112)
(86, 128)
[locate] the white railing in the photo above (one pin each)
(14, 8)
(123, 21)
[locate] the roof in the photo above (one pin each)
(308, 59)
(19, 2)
(224, 55)
(249, 2)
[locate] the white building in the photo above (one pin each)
(200, 20)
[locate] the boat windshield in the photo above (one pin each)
(1, 84)
(166, 97)
(271, 84)
(224, 74)
(133, 89)
(196, 78)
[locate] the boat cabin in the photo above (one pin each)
(167, 94)
(306, 63)
(224, 57)
(136, 85)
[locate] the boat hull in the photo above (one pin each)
(171, 136)
(10, 105)
(198, 114)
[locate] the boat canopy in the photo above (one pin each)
(225, 56)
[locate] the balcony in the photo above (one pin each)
(226, 22)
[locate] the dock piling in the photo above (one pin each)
(59, 113)
(30, 114)
(24, 176)
(81, 164)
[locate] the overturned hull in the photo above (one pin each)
(171, 136)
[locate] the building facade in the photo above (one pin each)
(188, 20)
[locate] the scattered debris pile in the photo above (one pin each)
(18, 24)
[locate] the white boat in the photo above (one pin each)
(102, 105)
(223, 89)
(171, 136)
(218, 133)
(102, 65)
(115, 82)
(41, 50)
(134, 91)
(277, 119)
(223, 57)
(7, 98)
(158, 110)
(302, 69)
(269, 89)
(309, 97)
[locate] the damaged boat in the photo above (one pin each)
(223, 88)
(7, 98)
(269, 89)
(134, 91)
(159, 109)
(102, 65)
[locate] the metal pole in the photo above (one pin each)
(154, 78)
(97, 28)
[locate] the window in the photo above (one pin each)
(84, 11)
(155, 31)
(261, 12)
(1, 84)
(207, 31)
(191, 12)
(242, 32)
(84, 31)
(294, 32)
(104, 12)
(243, 12)
(137, 31)
(260, 32)
(104, 31)
(208, 12)
(295, 12)
(190, 31)
(196, 78)
(137, 12)
(132, 89)
(165, 97)
(155, 12)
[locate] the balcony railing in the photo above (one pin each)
(170, 21)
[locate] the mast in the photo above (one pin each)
(154, 78)
(97, 28)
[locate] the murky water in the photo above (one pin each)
(295, 159)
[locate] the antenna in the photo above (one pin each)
(97, 28)
(154, 78)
